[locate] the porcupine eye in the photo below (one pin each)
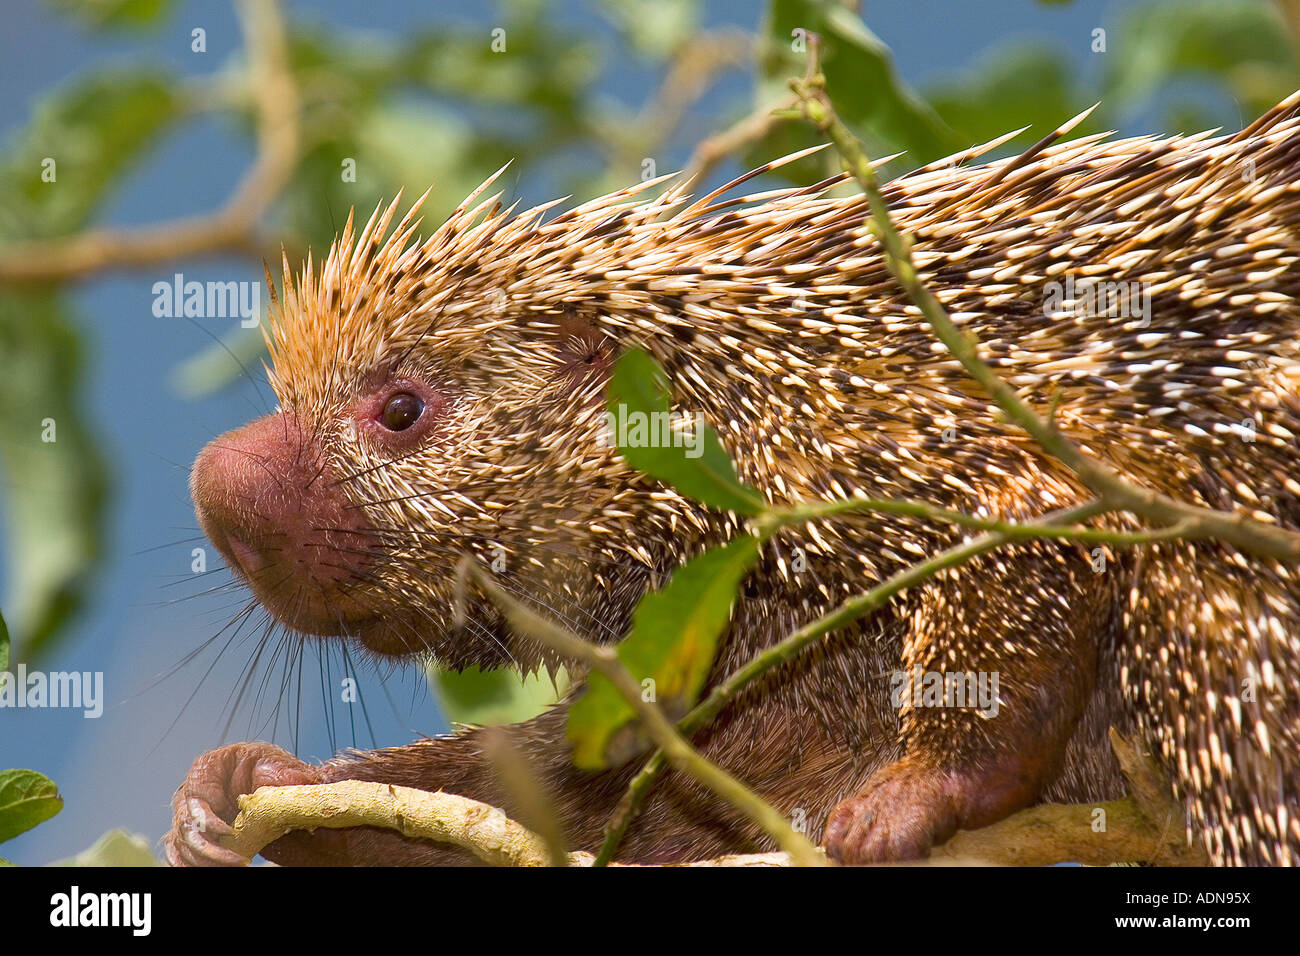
(401, 411)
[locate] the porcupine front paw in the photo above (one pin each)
(207, 802)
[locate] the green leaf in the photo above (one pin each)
(101, 14)
(26, 799)
(55, 491)
(491, 697)
(4, 645)
(674, 640)
(861, 79)
(638, 391)
(114, 848)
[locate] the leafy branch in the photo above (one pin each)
(676, 750)
(234, 226)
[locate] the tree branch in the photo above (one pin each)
(270, 812)
(1146, 826)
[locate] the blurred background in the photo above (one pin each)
(275, 119)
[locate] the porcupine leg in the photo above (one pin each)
(207, 801)
(1031, 657)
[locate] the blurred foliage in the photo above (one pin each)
(114, 848)
(1022, 86)
(440, 105)
(100, 14)
(655, 29)
(1242, 48)
(56, 491)
(94, 128)
(483, 698)
(437, 107)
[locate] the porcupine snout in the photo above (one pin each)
(266, 498)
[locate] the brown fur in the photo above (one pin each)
(777, 320)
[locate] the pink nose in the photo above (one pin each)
(267, 499)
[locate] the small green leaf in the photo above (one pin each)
(673, 641)
(26, 799)
(638, 391)
(4, 644)
(114, 848)
(492, 697)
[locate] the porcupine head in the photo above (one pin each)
(439, 398)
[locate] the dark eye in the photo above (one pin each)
(401, 412)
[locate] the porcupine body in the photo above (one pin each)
(445, 397)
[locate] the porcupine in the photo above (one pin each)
(444, 397)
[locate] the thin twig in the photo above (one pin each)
(769, 523)
(680, 753)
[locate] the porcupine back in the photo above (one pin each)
(776, 317)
